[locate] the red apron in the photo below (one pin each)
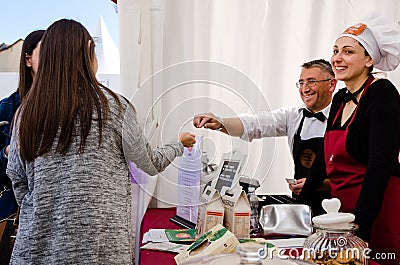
(346, 177)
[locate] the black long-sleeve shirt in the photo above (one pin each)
(374, 140)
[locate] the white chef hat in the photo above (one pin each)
(381, 38)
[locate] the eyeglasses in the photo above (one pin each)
(310, 83)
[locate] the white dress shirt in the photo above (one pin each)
(282, 122)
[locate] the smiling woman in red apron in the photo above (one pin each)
(362, 140)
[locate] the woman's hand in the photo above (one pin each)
(7, 150)
(187, 139)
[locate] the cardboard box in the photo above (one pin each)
(216, 241)
(211, 210)
(237, 212)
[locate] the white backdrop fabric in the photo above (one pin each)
(184, 57)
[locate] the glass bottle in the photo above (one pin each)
(253, 201)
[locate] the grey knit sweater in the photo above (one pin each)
(76, 208)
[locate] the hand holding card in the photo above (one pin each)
(291, 181)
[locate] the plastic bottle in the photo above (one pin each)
(253, 200)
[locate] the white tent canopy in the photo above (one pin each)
(265, 41)
(254, 50)
(106, 50)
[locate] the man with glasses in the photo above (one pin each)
(304, 125)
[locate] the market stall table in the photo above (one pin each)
(159, 218)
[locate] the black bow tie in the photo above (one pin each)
(319, 115)
(353, 96)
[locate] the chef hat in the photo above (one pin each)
(381, 38)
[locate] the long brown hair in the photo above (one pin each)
(25, 72)
(64, 94)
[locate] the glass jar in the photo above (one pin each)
(334, 241)
(250, 253)
(327, 245)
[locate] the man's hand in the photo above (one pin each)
(296, 188)
(207, 120)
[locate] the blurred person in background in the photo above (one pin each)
(8, 106)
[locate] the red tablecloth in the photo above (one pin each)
(153, 219)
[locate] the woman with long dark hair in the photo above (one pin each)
(68, 159)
